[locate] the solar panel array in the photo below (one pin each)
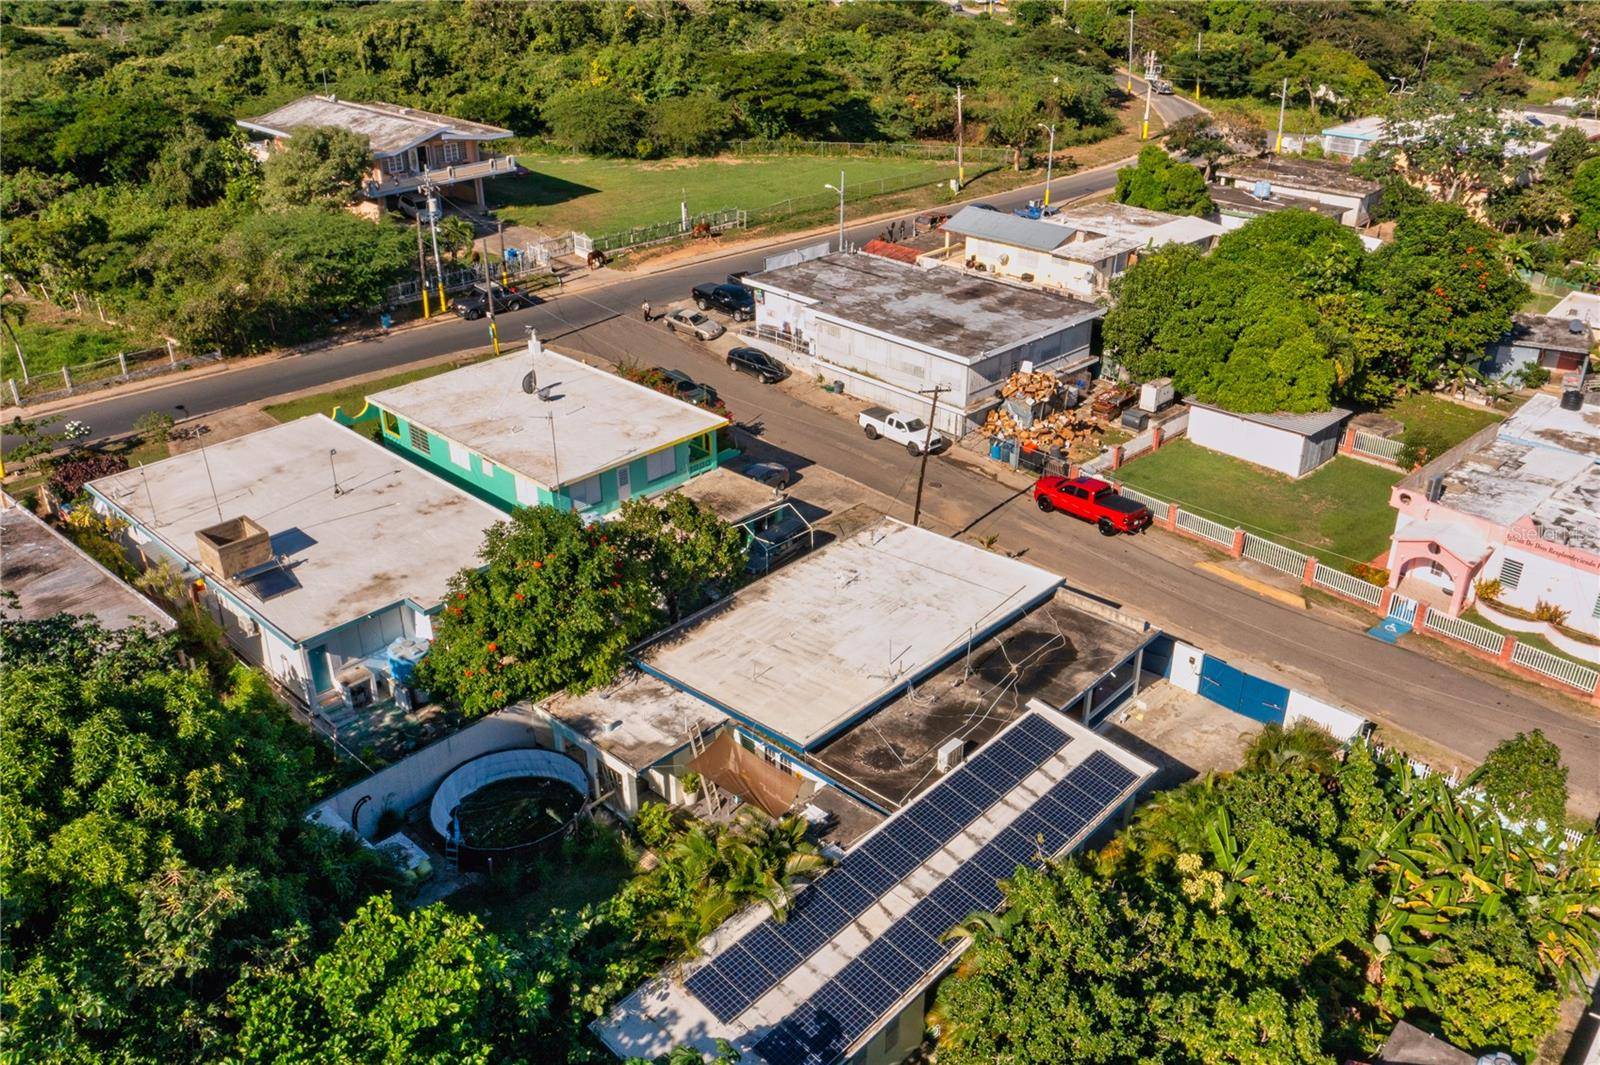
(750, 968)
(851, 1003)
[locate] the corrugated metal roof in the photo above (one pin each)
(1008, 229)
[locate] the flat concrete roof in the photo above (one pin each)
(601, 420)
(663, 1014)
(50, 575)
(1544, 463)
(1584, 305)
(729, 495)
(1240, 199)
(638, 720)
(1318, 174)
(1549, 333)
(939, 310)
(1100, 231)
(803, 652)
(1307, 424)
(1054, 654)
(389, 128)
(392, 531)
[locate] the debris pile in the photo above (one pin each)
(1039, 386)
(1061, 429)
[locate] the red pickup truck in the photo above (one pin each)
(1091, 500)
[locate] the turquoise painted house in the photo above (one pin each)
(539, 427)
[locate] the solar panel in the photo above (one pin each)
(893, 967)
(868, 988)
(722, 998)
(919, 947)
(745, 972)
(1108, 769)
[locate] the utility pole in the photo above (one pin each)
(1198, 37)
(961, 167)
(927, 441)
(1426, 49)
(1130, 51)
(501, 227)
(1144, 127)
(1283, 102)
(422, 270)
(488, 295)
(1049, 161)
(435, 207)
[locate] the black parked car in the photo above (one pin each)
(757, 362)
(729, 299)
(685, 388)
(474, 304)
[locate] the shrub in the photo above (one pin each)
(155, 426)
(1546, 611)
(1487, 589)
(1371, 574)
(1421, 445)
(1533, 376)
(655, 824)
(69, 476)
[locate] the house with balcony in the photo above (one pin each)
(539, 428)
(411, 149)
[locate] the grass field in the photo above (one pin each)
(1452, 421)
(48, 345)
(598, 196)
(1340, 513)
(353, 397)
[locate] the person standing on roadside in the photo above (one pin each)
(644, 308)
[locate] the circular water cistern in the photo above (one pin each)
(507, 803)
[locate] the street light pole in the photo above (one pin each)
(1144, 127)
(1130, 50)
(961, 167)
(840, 190)
(1283, 102)
(434, 205)
(1049, 160)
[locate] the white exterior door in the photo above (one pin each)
(624, 483)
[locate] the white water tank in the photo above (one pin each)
(1156, 395)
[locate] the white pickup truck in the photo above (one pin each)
(902, 428)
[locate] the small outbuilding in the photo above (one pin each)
(1559, 345)
(1292, 444)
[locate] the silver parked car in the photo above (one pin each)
(702, 327)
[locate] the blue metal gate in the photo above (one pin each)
(1242, 693)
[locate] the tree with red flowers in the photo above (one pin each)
(1444, 287)
(557, 603)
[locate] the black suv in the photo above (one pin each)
(475, 304)
(755, 361)
(729, 299)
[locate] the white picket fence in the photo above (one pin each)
(1465, 631)
(1564, 670)
(1345, 584)
(1275, 555)
(1211, 530)
(1157, 507)
(1378, 447)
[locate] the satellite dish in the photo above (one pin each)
(530, 384)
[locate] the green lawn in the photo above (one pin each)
(1454, 421)
(353, 397)
(48, 346)
(598, 196)
(1532, 639)
(1340, 513)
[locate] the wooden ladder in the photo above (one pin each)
(697, 747)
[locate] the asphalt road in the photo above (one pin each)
(1320, 652)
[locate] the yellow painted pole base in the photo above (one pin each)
(442, 304)
(1144, 131)
(426, 314)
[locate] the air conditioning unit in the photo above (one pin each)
(951, 754)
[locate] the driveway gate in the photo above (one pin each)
(1242, 693)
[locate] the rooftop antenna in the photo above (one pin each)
(148, 498)
(332, 451)
(204, 458)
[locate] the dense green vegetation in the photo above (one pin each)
(155, 844)
(124, 178)
(1289, 912)
(1158, 182)
(557, 603)
(1289, 313)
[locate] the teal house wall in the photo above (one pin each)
(497, 485)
